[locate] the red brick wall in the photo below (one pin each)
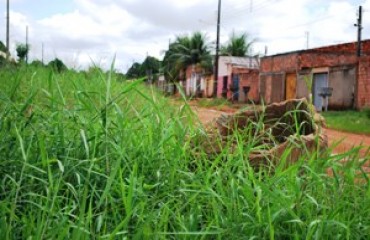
(345, 48)
(251, 79)
(317, 60)
(363, 83)
(278, 63)
(329, 56)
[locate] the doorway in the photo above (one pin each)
(320, 80)
(235, 87)
(290, 86)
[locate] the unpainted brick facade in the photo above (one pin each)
(248, 86)
(299, 74)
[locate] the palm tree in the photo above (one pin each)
(238, 45)
(186, 51)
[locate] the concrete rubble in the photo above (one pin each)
(285, 130)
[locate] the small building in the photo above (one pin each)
(302, 73)
(238, 78)
(198, 82)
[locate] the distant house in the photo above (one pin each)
(301, 73)
(198, 82)
(238, 78)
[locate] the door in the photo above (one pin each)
(224, 87)
(235, 87)
(320, 80)
(290, 86)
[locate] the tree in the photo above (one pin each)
(57, 65)
(186, 51)
(134, 71)
(37, 64)
(3, 47)
(3, 52)
(150, 65)
(22, 51)
(238, 45)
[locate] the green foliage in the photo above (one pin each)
(37, 64)
(3, 54)
(367, 112)
(348, 121)
(214, 102)
(57, 65)
(150, 65)
(3, 47)
(186, 51)
(87, 157)
(134, 71)
(22, 51)
(239, 45)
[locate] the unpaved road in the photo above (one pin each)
(340, 141)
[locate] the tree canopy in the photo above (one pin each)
(57, 65)
(3, 47)
(22, 51)
(150, 65)
(239, 45)
(186, 51)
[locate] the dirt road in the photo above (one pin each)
(344, 142)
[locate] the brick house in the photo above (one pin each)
(292, 75)
(238, 78)
(198, 82)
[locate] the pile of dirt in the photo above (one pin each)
(290, 128)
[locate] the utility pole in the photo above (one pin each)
(307, 33)
(7, 29)
(359, 31)
(42, 53)
(27, 44)
(215, 84)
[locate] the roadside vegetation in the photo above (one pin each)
(349, 121)
(84, 156)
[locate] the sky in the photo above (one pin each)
(94, 32)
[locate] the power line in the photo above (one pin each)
(245, 6)
(243, 11)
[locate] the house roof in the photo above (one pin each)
(249, 62)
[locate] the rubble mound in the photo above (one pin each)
(289, 130)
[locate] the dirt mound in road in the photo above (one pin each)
(267, 133)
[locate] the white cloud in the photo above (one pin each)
(97, 30)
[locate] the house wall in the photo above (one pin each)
(363, 85)
(209, 86)
(196, 81)
(319, 60)
(340, 63)
(345, 48)
(342, 80)
(303, 81)
(219, 86)
(222, 66)
(248, 78)
(279, 63)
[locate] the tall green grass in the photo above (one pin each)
(87, 157)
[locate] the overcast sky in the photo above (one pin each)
(84, 31)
